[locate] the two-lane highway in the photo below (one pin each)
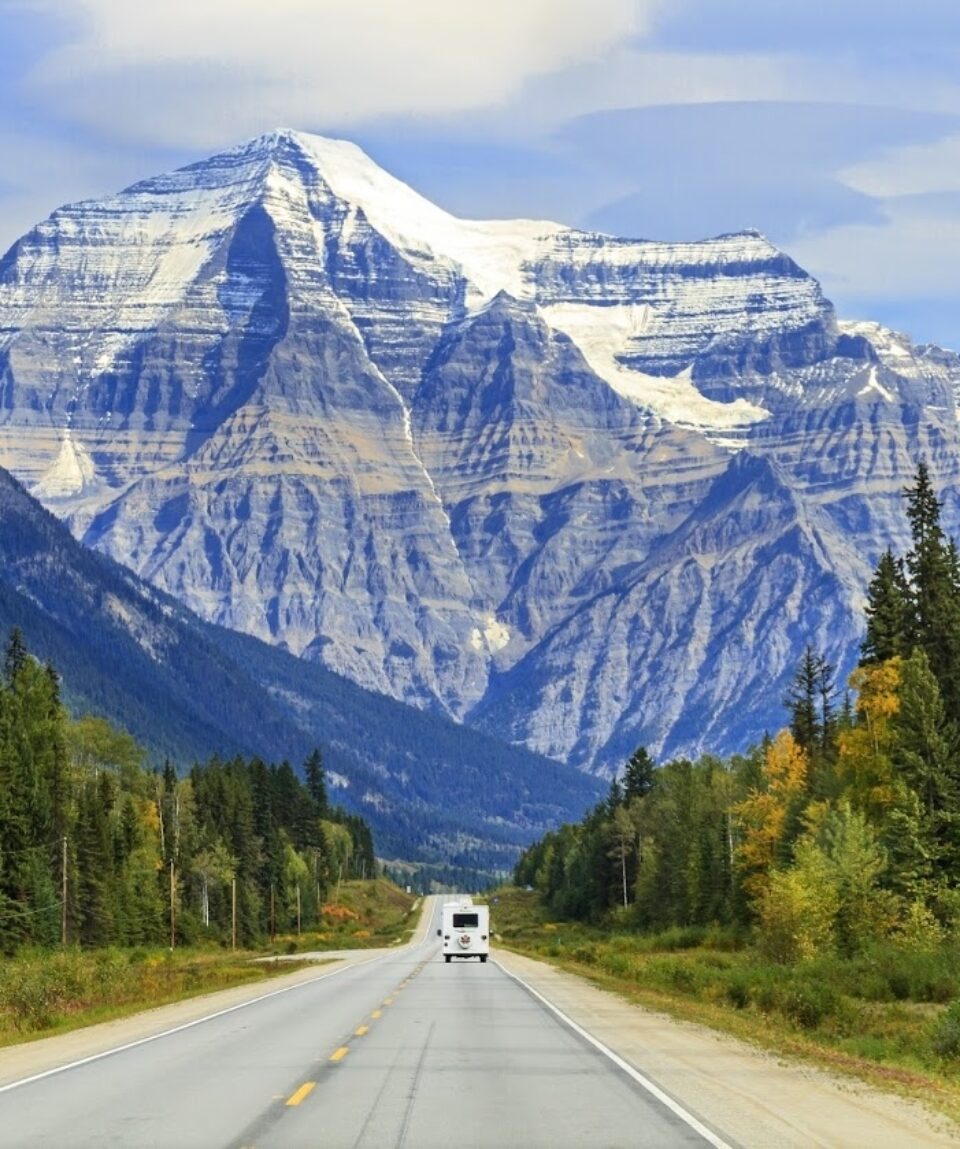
(403, 1050)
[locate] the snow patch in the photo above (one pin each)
(887, 343)
(69, 473)
(489, 253)
(604, 333)
(874, 384)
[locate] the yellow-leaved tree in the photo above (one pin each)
(770, 815)
(864, 767)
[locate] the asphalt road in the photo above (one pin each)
(403, 1050)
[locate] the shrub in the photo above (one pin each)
(946, 1034)
(586, 954)
(798, 910)
(807, 1004)
(616, 963)
(919, 930)
(738, 993)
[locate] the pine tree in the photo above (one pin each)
(16, 655)
(888, 612)
(803, 700)
(926, 754)
(316, 780)
(933, 592)
(614, 797)
(639, 774)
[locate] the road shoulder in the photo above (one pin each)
(47, 1054)
(752, 1097)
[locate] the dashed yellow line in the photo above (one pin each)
(304, 1091)
(388, 1001)
(340, 1054)
(359, 1032)
(377, 1014)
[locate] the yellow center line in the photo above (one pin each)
(377, 1014)
(359, 1032)
(388, 1001)
(340, 1054)
(304, 1091)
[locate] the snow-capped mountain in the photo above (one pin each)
(582, 490)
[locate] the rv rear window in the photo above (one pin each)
(466, 921)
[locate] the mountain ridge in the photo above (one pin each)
(313, 407)
(188, 690)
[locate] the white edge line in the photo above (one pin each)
(187, 1025)
(707, 1134)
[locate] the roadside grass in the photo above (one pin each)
(44, 992)
(365, 915)
(890, 1016)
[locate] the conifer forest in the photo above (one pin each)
(97, 850)
(840, 830)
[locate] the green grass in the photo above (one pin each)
(365, 915)
(46, 992)
(42, 993)
(890, 1015)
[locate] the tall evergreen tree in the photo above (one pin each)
(888, 612)
(316, 780)
(639, 774)
(16, 654)
(935, 605)
(926, 754)
(802, 702)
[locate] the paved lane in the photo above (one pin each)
(402, 1051)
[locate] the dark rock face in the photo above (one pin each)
(591, 491)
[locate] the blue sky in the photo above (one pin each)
(833, 127)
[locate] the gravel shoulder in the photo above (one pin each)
(750, 1097)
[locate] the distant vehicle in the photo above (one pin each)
(465, 930)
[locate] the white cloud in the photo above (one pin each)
(913, 253)
(195, 70)
(917, 169)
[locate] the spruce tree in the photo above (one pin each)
(888, 612)
(16, 654)
(927, 756)
(639, 774)
(316, 782)
(933, 594)
(803, 702)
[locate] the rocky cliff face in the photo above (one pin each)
(587, 490)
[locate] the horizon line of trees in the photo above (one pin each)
(842, 829)
(99, 850)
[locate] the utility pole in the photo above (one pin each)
(298, 909)
(273, 912)
(63, 896)
(233, 899)
(173, 913)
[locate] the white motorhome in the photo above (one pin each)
(465, 929)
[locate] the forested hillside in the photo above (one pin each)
(842, 830)
(96, 849)
(433, 791)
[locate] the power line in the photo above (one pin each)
(30, 913)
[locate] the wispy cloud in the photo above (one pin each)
(832, 125)
(199, 70)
